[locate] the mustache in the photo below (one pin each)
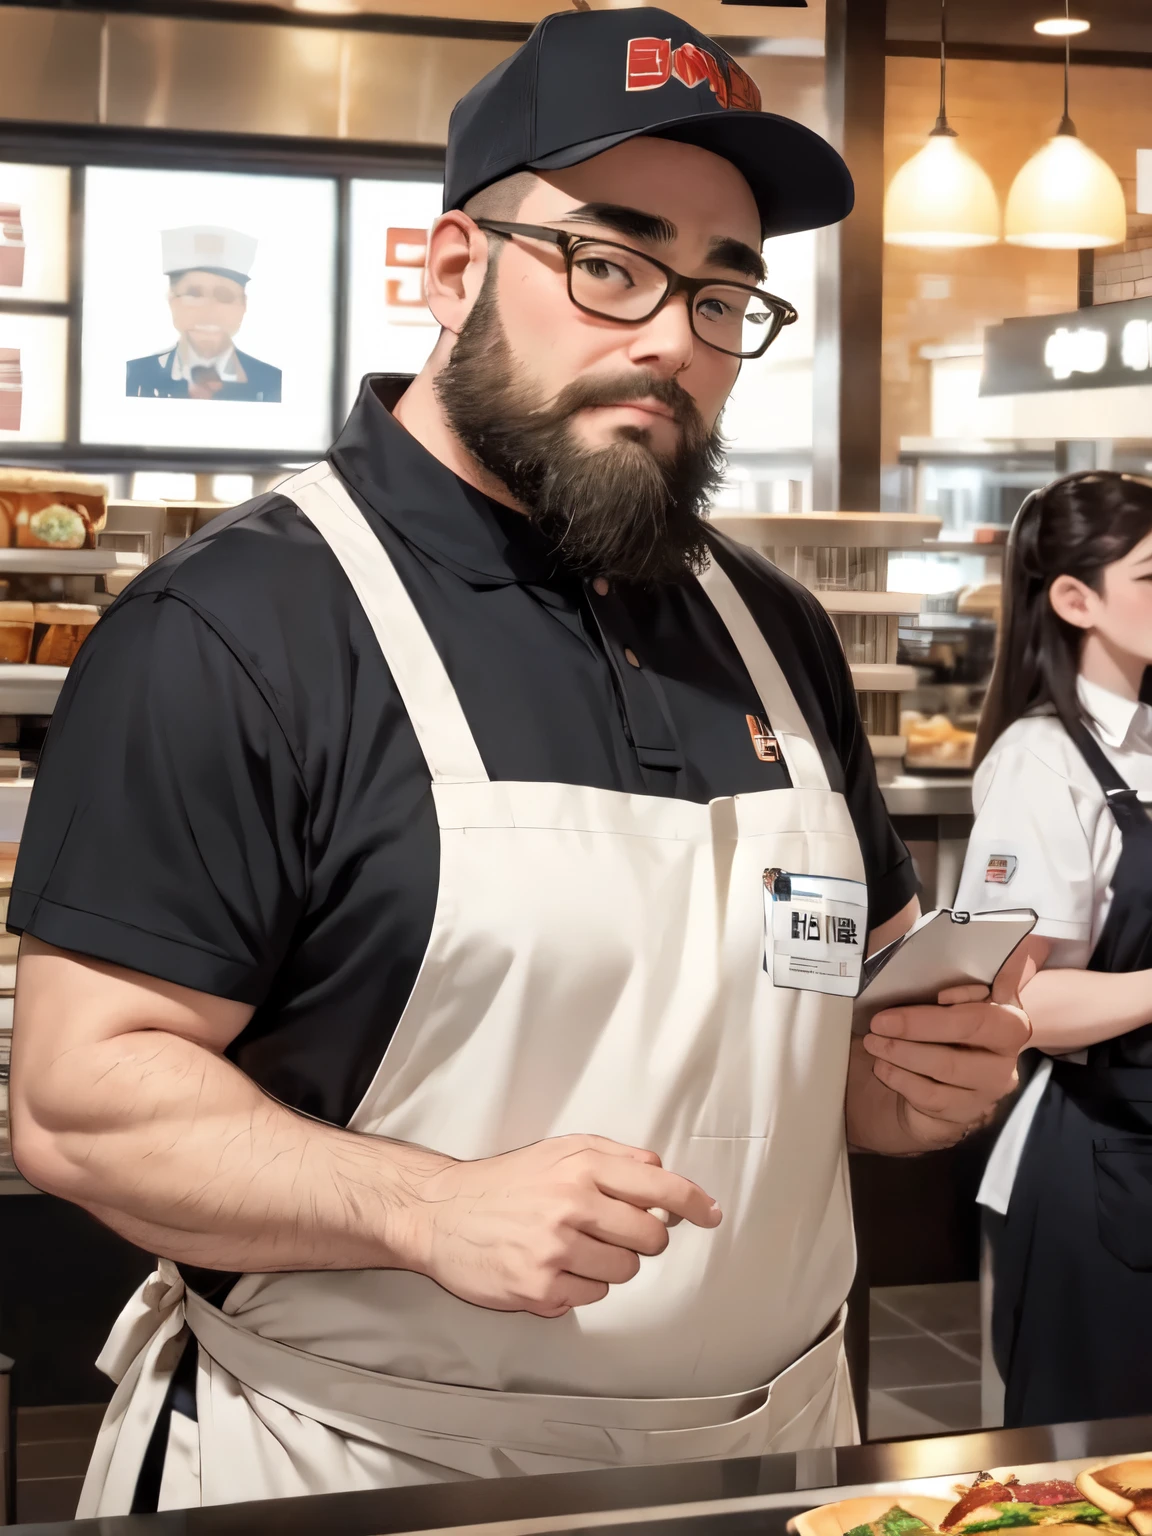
(621, 389)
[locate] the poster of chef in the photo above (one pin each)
(208, 309)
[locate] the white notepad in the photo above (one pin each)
(944, 949)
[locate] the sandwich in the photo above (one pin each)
(1123, 1489)
(992, 1504)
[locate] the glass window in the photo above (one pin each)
(208, 310)
(768, 420)
(34, 232)
(390, 328)
(33, 367)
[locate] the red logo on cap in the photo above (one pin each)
(652, 62)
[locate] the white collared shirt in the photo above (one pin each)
(1042, 820)
(1036, 802)
(224, 365)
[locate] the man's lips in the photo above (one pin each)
(648, 406)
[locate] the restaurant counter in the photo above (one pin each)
(728, 1498)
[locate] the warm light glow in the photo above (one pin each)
(941, 198)
(1066, 199)
(328, 7)
(1061, 26)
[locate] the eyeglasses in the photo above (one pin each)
(615, 282)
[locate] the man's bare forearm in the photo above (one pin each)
(174, 1148)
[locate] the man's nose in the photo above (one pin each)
(666, 343)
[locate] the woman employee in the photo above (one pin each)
(1065, 766)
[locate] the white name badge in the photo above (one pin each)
(815, 932)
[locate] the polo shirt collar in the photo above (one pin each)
(1119, 722)
(429, 506)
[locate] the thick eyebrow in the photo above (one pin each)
(726, 252)
(633, 224)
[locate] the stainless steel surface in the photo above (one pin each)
(227, 76)
(750, 1495)
(49, 65)
(223, 77)
(402, 89)
(910, 794)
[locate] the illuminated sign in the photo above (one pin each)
(1102, 347)
(1081, 351)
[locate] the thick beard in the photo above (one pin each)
(623, 511)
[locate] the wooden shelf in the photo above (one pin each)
(899, 604)
(836, 530)
(29, 690)
(877, 677)
(69, 562)
(961, 547)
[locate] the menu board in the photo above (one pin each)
(390, 328)
(208, 310)
(34, 232)
(33, 368)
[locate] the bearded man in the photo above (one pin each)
(448, 876)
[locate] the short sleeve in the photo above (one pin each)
(1028, 847)
(167, 824)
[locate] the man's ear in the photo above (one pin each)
(455, 270)
(1073, 601)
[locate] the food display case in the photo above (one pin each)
(781, 1495)
(843, 558)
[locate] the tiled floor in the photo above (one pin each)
(925, 1377)
(925, 1367)
(52, 1450)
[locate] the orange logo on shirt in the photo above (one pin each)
(1000, 869)
(764, 742)
(652, 62)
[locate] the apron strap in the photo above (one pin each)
(801, 755)
(423, 683)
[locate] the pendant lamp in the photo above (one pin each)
(941, 198)
(1066, 198)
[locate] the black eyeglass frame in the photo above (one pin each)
(782, 312)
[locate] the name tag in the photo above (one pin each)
(815, 932)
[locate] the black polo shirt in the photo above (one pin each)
(232, 797)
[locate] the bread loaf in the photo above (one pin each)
(16, 621)
(25, 493)
(60, 630)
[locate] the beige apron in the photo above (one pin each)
(595, 965)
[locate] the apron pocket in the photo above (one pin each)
(1124, 1198)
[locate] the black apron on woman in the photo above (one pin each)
(1072, 1259)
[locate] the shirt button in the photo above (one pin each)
(600, 586)
(631, 658)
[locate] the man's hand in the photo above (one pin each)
(551, 1226)
(945, 1067)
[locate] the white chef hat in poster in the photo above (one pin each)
(261, 280)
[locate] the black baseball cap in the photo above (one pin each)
(588, 80)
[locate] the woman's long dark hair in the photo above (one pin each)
(1077, 526)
